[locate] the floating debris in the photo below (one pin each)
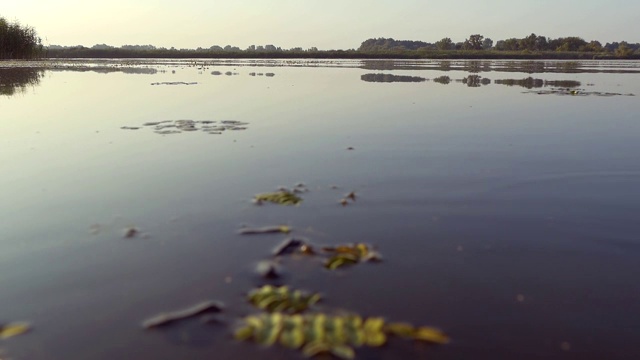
(281, 299)
(281, 197)
(266, 230)
(155, 123)
(14, 329)
(322, 333)
(293, 246)
(130, 232)
(185, 125)
(268, 269)
(167, 132)
(350, 254)
(170, 317)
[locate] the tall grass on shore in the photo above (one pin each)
(19, 42)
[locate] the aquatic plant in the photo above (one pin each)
(18, 42)
(281, 197)
(320, 333)
(282, 299)
(350, 254)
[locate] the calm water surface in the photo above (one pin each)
(504, 197)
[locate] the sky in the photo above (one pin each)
(325, 24)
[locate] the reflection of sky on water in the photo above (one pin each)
(473, 188)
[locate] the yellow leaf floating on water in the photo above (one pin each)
(14, 329)
(373, 332)
(431, 335)
(400, 329)
(343, 352)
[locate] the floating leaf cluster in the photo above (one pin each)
(320, 333)
(282, 299)
(345, 255)
(341, 255)
(281, 197)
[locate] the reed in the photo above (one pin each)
(18, 41)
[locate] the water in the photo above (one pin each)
(504, 201)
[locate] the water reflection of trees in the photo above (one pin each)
(444, 80)
(531, 83)
(389, 78)
(474, 80)
(17, 80)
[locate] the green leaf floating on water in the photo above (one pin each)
(345, 255)
(278, 197)
(14, 329)
(281, 299)
(321, 333)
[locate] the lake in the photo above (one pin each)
(503, 197)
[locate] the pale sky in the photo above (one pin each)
(326, 24)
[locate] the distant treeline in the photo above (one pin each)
(527, 45)
(18, 42)
(475, 47)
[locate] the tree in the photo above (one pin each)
(571, 43)
(528, 43)
(444, 44)
(623, 49)
(594, 46)
(541, 43)
(474, 42)
(487, 44)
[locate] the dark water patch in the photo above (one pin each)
(389, 78)
(18, 80)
